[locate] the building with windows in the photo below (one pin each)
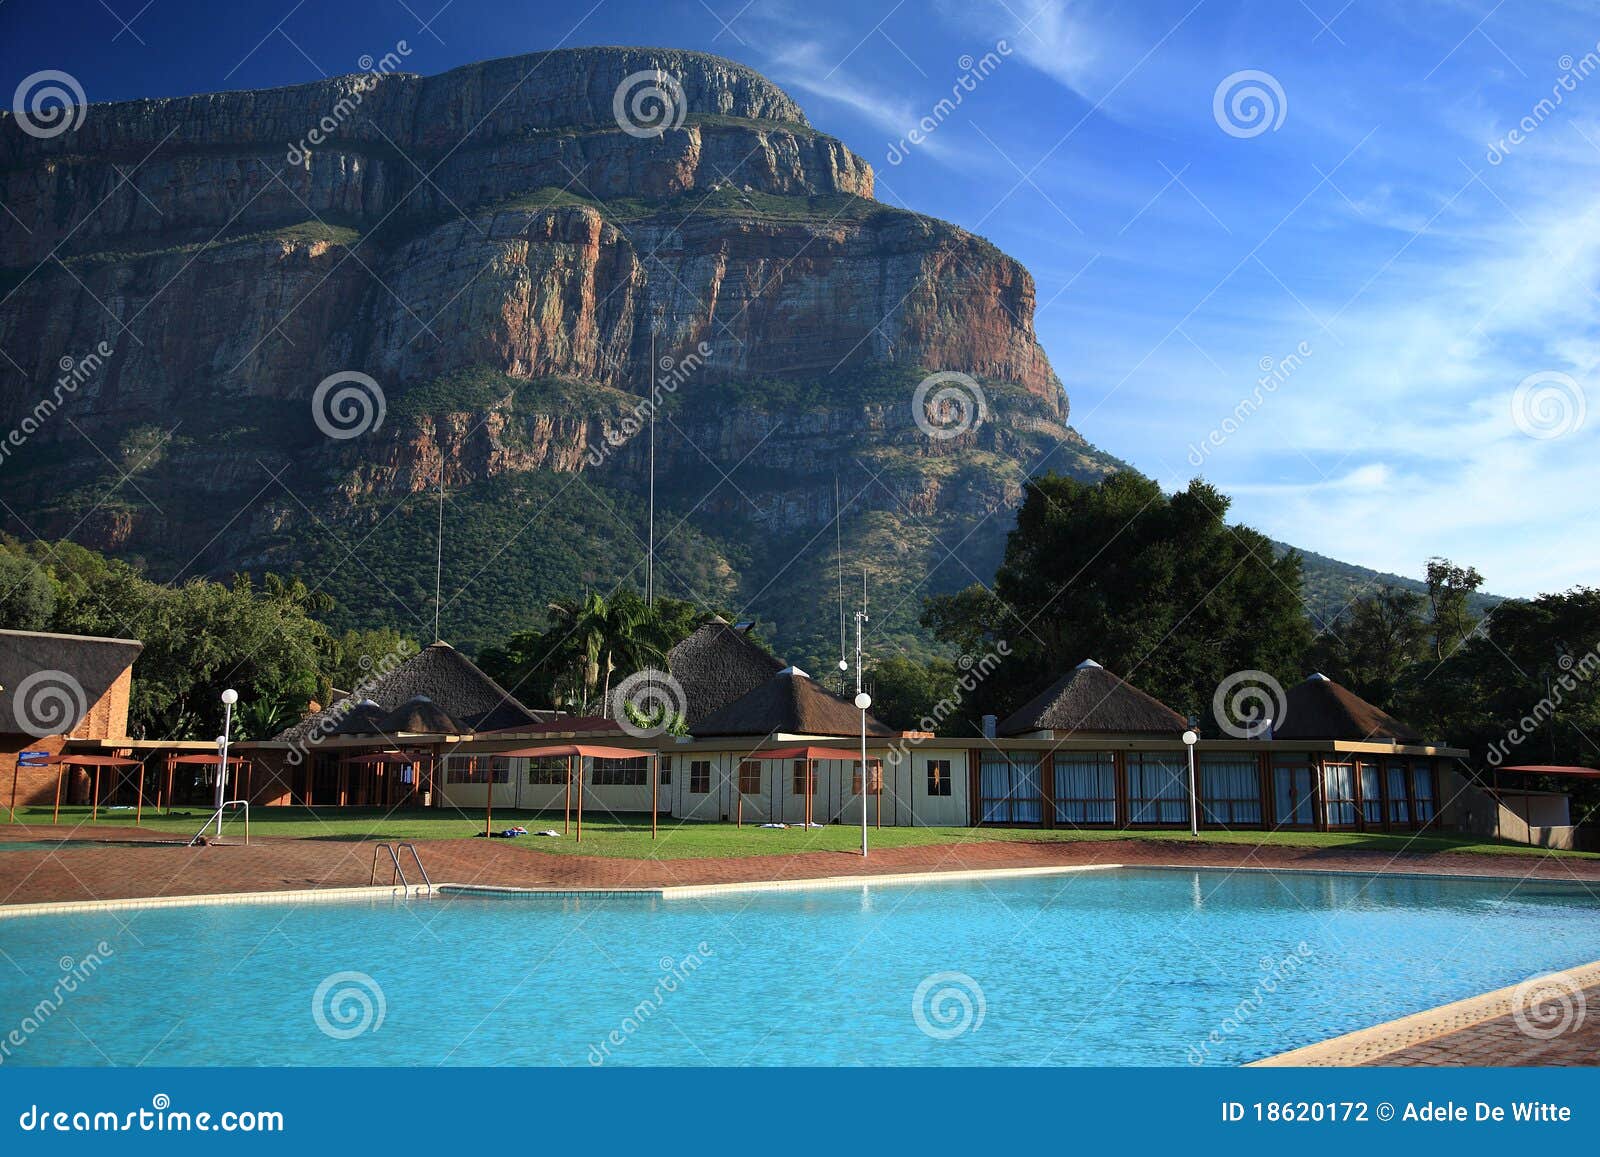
(769, 744)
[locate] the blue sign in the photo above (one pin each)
(33, 758)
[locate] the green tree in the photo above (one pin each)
(27, 593)
(906, 692)
(1450, 588)
(1373, 643)
(1159, 588)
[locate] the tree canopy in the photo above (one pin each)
(1159, 588)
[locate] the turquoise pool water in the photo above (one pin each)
(1124, 967)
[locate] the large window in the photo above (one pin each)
(550, 771)
(621, 772)
(1158, 788)
(874, 784)
(1422, 791)
(666, 770)
(1086, 788)
(938, 777)
(1230, 790)
(1008, 788)
(699, 777)
(477, 769)
(750, 777)
(1292, 789)
(1399, 796)
(1371, 795)
(1339, 794)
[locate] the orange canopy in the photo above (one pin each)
(93, 761)
(233, 760)
(810, 753)
(584, 750)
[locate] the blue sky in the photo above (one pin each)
(1414, 263)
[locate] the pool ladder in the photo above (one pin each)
(399, 873)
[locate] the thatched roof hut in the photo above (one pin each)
(1319, 708)
(419, 715)
(365, 718)
(1091, 700)
(718, 664)
(462, 692)
(788, 703)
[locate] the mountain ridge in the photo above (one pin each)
(514, 304)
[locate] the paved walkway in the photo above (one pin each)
(93, 869)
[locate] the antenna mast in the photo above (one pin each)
(438, 557)
(650, 566)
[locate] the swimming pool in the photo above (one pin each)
(1130, 967)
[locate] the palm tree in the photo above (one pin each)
(600, 637)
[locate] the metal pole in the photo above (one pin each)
(14, 768)
(488, 800)
(861, 617)
(1190, 738)
(580, 799)
(222, 765)
(655, 791)
(566, 808)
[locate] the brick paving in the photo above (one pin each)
(94, 869)
(1502, 1042)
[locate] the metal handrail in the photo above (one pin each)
(216, 818)
(394, 851)
(412, 848)
(399, 872)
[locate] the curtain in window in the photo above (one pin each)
(1230, 790)
(1339, 793)
(1371, 795)
(1158, 789)
(1008, 789)
(1085, 788)
(1399, 802)
(1422, 791)
(1292, 787)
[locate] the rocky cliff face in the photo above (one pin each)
(500, 248)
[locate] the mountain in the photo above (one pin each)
(269, 330)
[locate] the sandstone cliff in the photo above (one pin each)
(500, 250)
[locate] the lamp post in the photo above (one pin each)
(1190, 738)
(863, 701)
(229, 698)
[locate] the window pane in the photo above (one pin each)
(1158, 789)
(1292, 787)
(939, 777)
(1230, 790)
(699, 777)
(1339, 794)
(1086, 788)
(1399, 801)
(1371, 794)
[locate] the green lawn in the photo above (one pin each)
(630, 836)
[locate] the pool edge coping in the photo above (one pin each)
(696, 891)
(447, 888)
(1368, 1046)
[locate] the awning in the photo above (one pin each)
(378, 757)
(233, 760)
(93, 761)
(812, 753)
(584, 750)
(1555, 769)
